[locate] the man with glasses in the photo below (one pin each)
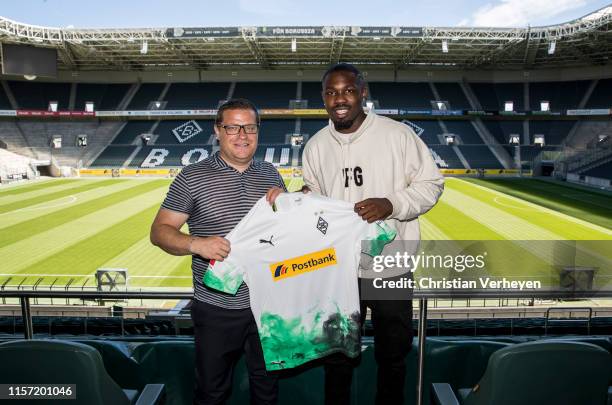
(212, 196)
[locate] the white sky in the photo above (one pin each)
(193, 13)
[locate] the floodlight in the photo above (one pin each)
(514, 139)
(52, 106)
(509, 106)
(544, 106)
(539, 140)
(369, 105)
(89, 106)
(450, 139)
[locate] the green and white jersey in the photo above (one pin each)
(300, 264)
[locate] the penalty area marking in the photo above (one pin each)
(497, 201)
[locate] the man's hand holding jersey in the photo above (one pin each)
(166, 233)
(370, 209)
(210, 247)
(374, 209)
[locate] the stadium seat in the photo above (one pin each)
(543, 373)
(119, 364)
(62, 362)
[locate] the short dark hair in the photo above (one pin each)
(236, 104)
(345, 67)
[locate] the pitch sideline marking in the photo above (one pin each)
(542, 208)
(77, 275)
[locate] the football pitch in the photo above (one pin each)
(54, 231)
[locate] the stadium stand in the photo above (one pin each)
(267, 94)
(453, 93)
(448, 159)
(561, 95)
(175, 132)
(131, 130)
(311, 91)
(465, 130)
(113, 156)
(473, 355)
(600, 98)
(401, 95)
(603, 171)
(104, 96)
(502, 130)
(479, 156)
(14, 167)
(427, 130)
(276, 131)
(492, 96)
(312, 126)
(554, 131)
(280, 155)
(5, 103)
(196, 95)
(36, 95)
(147, 93)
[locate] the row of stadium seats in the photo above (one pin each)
(561, 95)
(477, 156)
(46, 326)
(552, 371)
(603, 171)
(445, 156)
(278, 131)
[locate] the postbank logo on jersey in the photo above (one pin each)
(303, 264)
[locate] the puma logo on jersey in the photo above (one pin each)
(267, 241)
(303, 264)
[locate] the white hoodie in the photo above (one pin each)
(382, 159)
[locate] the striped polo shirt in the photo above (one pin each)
(216, 197)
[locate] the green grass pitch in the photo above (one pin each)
(65, 229)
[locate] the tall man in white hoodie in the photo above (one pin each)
(388, 172)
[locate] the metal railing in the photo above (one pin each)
(25, 296)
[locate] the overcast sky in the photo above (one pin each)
(192, 13)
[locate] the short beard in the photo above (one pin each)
(344, 124)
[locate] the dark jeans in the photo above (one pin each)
(221, 336)
(392, 322)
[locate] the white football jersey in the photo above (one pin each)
(300, 264)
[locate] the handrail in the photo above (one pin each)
(153, 294)
(587, 319)
(25, 295)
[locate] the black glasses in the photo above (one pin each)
(235, 129)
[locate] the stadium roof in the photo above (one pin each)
(581, 42)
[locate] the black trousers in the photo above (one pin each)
(392, 322)
(221, 336)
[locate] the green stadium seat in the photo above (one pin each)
(119, 363)
(62, 362)
(542, 372)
